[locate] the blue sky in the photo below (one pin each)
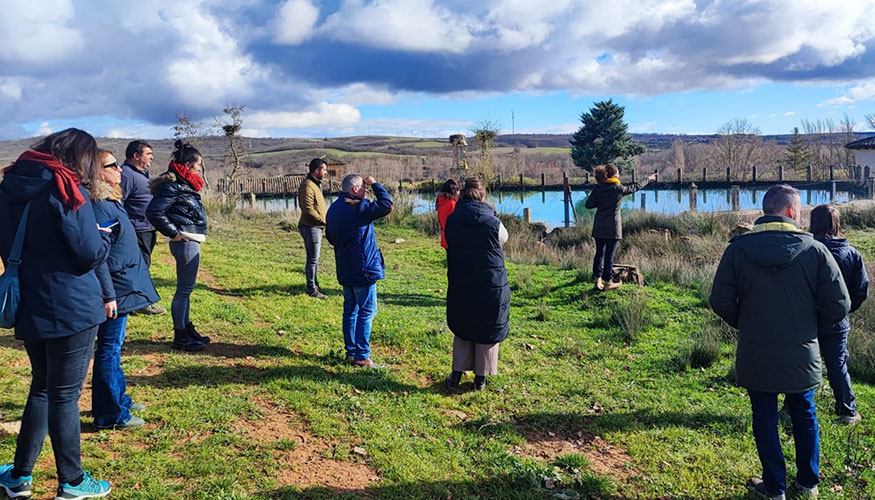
(428, 68)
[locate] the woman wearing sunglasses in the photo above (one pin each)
(124, 279)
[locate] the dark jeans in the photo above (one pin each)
(805, 436)
(604, 251)
(110, 404)
(359, 309)
(188, 258)
(146, 241)
(834, 349)
(58, 367)
(312, 243)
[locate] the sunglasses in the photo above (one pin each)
(112, 165)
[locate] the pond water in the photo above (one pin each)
(547, 206)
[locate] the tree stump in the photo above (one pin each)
(627, 274)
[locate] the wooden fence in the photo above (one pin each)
(271, 186)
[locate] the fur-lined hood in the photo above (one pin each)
(168, 176)
(103, 190)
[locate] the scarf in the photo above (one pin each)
(187, 175)
(612, 180)
(776, 226)
(66, 180)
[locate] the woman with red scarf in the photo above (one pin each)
(61, 303)
(177, 212)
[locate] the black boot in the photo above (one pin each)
(196, 334)
(479, 382)
(182, 340)
(453, 380)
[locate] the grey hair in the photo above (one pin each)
(349, 182)
(779, 197)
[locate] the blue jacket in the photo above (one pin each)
(350, 228)
(60, 295)
(136, 196)
(124, 276)
(853, 272)
(478, 294)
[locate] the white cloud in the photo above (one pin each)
(43, 130)
(10, 89)
(407, 25)
(862, 92)
(37, 32)
(325, 115)
(791, 113)
(295, 22)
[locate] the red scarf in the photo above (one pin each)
(187, 175)
(66, 180)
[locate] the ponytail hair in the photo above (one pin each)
(185, 153)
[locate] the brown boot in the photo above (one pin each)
(612, 285)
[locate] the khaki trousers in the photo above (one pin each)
(481, 358)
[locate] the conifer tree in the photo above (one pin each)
(603, 138)
(797, 156)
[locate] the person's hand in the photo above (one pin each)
(111, 309)
(104, 229)
(179, 237)
(369, 180)
(652, 177)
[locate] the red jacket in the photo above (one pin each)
(445, 207)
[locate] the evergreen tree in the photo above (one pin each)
(603, 137)
(797, 156)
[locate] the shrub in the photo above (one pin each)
(633, 315)
(861, 343)
(706, 347)
(403, 203)
(543, 312)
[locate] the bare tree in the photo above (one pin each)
(235, 152)
(739, 147)
(846, 127)
(485, 134)
(871, 119)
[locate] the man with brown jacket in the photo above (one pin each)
(312, 222)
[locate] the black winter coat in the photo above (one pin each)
(606, 198)
(478, 295)
(60, 295)
(124, 276)
(175, 206)
(778, 287)
(853, 272)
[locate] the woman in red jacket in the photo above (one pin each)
(446, 203)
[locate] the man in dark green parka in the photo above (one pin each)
(776, 285)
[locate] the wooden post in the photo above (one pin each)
(728, 174)
(680, 176)
(499, 181)
(736, 203)
(643, 201)
(694, 191)
(832, 174)
(753, 173)
(400, 186)
(808, 173)
(543, 181)
(832, 191)
(527, 214)
(566, 198)
(633, 176)
(866, 172)
(704, 174)
(780, 173)
(657, 175)
(586, 177)
(521, 182)
(251, 200)
(870, 187)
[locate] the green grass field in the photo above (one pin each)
(582, 407)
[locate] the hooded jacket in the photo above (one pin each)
(350, 228)
(312, 202)
(778, 286)
(124, 276)
(853, 272)
(478, 294)
(445, 207)
(60, 295)
(175, 207)
(606, 198)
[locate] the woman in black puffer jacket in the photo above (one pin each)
(478, 295)
(177, 212)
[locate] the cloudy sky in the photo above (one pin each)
(431, 67)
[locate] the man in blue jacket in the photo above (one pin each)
(350, 229)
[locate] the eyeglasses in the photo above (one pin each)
(112, 165)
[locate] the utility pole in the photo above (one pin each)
(512, 123)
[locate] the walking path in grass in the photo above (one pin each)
(581, 407)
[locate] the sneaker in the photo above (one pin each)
(453, 379)
(850, 420)
(15, 487)
(803, 492)
(366, 363)
(154, 309)
(133, 423)
(88, 488)
(479, 382)
(758, 487)
(137, 407)
(317, 294)
(599, 284)
(612, 285)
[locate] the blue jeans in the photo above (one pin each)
(834, 349)
(109, 404)
(359, 309)
(604, 252)
(805, 436)
(312, 244)
(58, 367)
(188, 258)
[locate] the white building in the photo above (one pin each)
(864, 151)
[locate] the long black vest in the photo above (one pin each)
(478, 295)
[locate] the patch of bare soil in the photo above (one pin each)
(306, 463)
(605, 459)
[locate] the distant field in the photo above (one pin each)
(339, 153)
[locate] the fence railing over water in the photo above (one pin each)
(271, 186)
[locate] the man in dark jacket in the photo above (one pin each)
(135, 198)
(359, 262)
(777, 286)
